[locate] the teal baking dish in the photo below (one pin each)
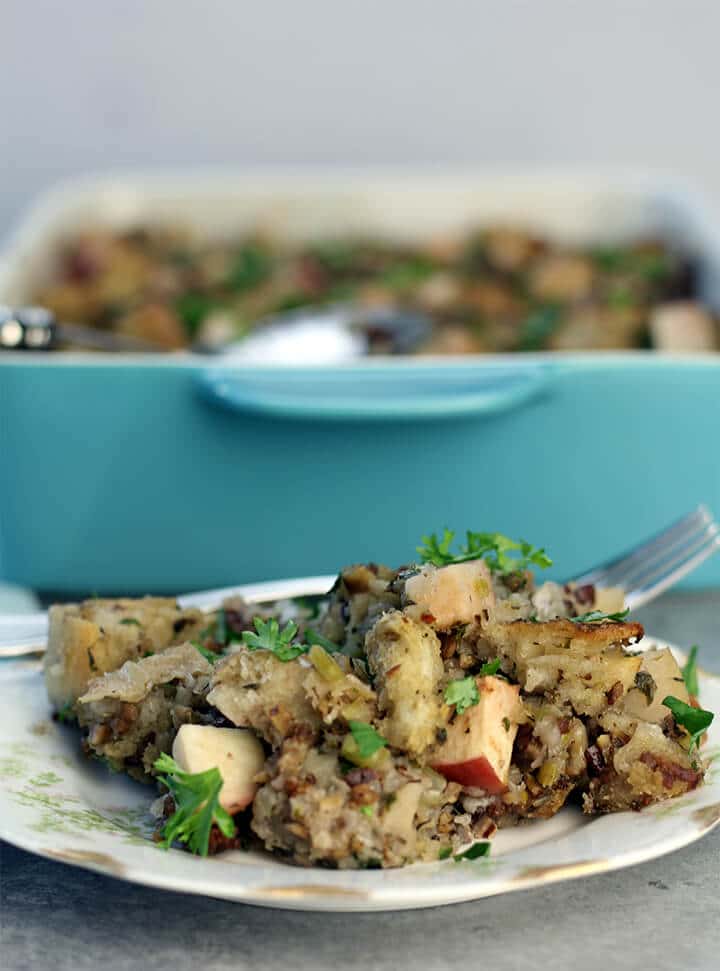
(167, 473)
(157, 477)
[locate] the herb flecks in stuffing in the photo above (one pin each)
(645, 683)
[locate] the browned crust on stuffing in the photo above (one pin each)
(600, 634)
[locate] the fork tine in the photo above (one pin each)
(643, 576)
(633, 571)
(691, 522)
(636, 598)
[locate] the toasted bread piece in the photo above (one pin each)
(526, 638)
(632, 774)
(132, 715)
(96, 636)
(583, 665)
(404, 657)
(253, 689)
(660, 676)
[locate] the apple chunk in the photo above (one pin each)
(236, 752)
(478, 747)
(449, 595)
(659, 676)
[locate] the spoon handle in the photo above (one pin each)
(36, 329)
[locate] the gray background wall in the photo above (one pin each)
(92, 84)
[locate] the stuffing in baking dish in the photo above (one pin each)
(496, 290)
(403, 717)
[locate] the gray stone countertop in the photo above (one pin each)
(661, 915)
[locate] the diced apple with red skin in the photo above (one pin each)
(478, 747)
(236, 752)
(448, 595)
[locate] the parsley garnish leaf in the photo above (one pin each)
(221, 627)
(197, 807)
(689, 672)
(489, 668)
(474, 852)
(269, 637)
(505, 555)
(596, 616)
(313, 637)
(502, 554)
(437, 551)
(463, 693)
(367, 739)
(209, 655)
(695, 721)
(66, 713)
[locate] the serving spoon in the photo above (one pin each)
(333, 334)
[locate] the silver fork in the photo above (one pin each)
(648, 570)
(643, 573)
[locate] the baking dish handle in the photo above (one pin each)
(401, 392)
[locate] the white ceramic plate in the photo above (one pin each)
(55, 803)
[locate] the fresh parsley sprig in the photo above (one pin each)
(437, 551)
(474, 852)
(314, 637)
(689, 672)
(489, 668)
(463, 692)
(66, 713)
(597, 616)
(367, 739)
(197, 806)
(502, 554)
(695, 721)
(222, 632)
(209, 655)
(268, 637)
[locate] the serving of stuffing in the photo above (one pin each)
(492, 290)
(405, 716)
